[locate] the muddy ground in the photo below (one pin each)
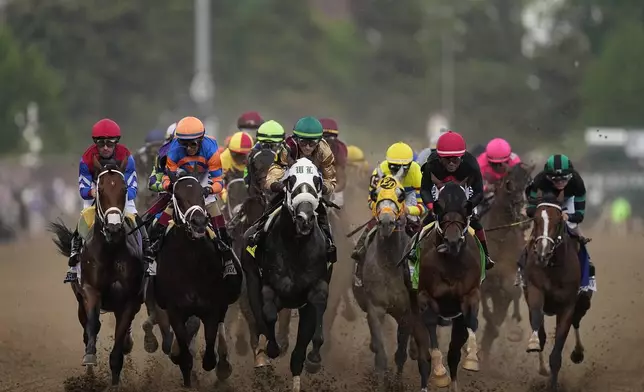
(41, 342)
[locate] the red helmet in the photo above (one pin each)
(106, 129)
(450, 144)
(330, 126)
(249, 120)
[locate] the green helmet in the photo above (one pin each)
(558, 165)
(270, 131)
(308, 128)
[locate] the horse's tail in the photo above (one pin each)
(63, 238)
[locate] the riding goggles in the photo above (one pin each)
(451, 159)
(559, 177)
(308, 142)
(106, 142)
(393, 168)
(265, 145)
(189, 143)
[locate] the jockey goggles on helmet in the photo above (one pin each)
(559, 177)
(394, 168)
(307, 142)
(106, 142)
(189, 143)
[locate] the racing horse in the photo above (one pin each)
(384, 290)
(190, 280)
(450, 273)
(506, 241)
(289, 271)
(553, 276)
(111, 277)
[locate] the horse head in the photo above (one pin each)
(189, 204)
(510, 190)
(389, 207)
(258, 167)
(453, 218)
(549, 226)
(111, 196)
(303, 190)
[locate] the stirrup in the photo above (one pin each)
(70, 277)
(489, 264)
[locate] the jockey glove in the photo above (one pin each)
(277, 187)
(207, 190)
(325, 190)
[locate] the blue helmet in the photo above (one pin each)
(155, 135)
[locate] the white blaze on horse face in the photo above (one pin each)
(544, 236)
(114, 219)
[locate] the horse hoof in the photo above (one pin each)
(224, 370)
(209, 361)
(166, 345)
(312, 367)
(89, 360)
(471, 364)
(533, 345)
(128, 345)
(272, 349)
(150, 342)
(577, 356)
(441, 381)
(261, 360)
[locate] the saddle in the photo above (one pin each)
(134, 241)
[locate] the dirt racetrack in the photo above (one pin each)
(41, 342)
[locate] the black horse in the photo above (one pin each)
(191, 280)
(111, 276)
(290, 269)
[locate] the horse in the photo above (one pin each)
(384, 290)
(553, 276)
(451, 268)
(112, 270)
(506, 241)
(189, 280)
(290, 271)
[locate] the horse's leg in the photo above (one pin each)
(82, 318)
(421, 339)
(244, 307)
(124, 319)
(500, 305)
(269, 312)
(183, 357)
(516, 333)
(374, 315)
(564, 321)
(92, 302)
(349, 312)
(535, 299)
(224, 368)
(167, 335)
(318, 298)
(254, 311)
(305, 331)
(150, 342)
(471, 322)
(283, 330)
(582, 306)
(459, 337)
(210, 326)
(440, 377)
(543, 368)
(402, 339)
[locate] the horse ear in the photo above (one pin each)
(290, 182)
(97, 164)
(317, 181)
(436, 181)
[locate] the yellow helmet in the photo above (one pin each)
(354, 154)
(400, 154)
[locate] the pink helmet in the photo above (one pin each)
(498, 151)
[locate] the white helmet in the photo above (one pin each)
(169, 133)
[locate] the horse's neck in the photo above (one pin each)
(391, 249)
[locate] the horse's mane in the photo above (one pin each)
(548, 197)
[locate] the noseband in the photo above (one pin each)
(545, 238)
(112, 215)
(185, 216)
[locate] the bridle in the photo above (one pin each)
(545, 238)
(185, 216)
(466, 224)
(112, 215)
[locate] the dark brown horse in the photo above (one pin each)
(190, 280)
(448, 287)
(553, 276)
(111, 263)
(506, 241)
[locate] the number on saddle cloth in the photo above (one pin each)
(584, 261)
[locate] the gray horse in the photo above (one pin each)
(384, 290)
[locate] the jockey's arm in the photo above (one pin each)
(476, 182)
(155, 183)
(170, 167)
(85, 181)
(414, 201)
(215, 173)
(373, 184)
(278, 168)
(426, 185)
(579, 193)
(131, 179)
(327, 163)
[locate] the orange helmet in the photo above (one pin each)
(189, 128)
(241, 143)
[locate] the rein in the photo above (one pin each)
(514, 224)
(184, 217)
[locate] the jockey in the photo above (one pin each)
(452, 162)
(195, 153)
(307, 141)
(249, 122)
(399, 156)
(106, 135)
(495, 162)
(339, 149)
(235, 157)
(156, 178)
(558, 176)
(270, 135)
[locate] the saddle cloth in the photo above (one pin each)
(414, 265)
(134, 241)
(586, 284)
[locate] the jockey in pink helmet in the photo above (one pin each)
(496, 160)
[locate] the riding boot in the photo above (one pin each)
(323, 221)
(74, 255)
(148, 254)
(480, 234)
